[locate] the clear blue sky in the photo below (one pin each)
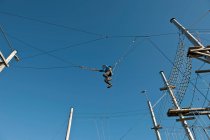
(35, 102)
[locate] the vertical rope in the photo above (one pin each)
(97, 129)
(194, 91)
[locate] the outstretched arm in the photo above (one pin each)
(91, 69)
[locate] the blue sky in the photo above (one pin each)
(52, 37)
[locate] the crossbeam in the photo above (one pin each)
(202, 71)
(198, 51)
(188, 112)
(166, 88)
(185, 119)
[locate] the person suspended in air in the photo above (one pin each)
(107, 75)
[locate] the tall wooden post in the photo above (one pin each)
(156, 126)
(182, 119)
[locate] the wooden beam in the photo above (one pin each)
(166, 88)
(202, 71)
(185, 119)
(188, 112)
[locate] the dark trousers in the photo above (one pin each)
(108, 78)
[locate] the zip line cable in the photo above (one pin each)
(63, 48)
(70, 64)
(145, 36)
(45, 68)
(128, 51)
(77, 45)
(200, 18)
(140, 36)
(81, 30)
(49, 54)
(49, 23)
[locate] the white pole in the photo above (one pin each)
(191, 38)
(184, 122)
(156, 126)
(69, 125)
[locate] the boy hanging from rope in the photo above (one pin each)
(107, 73)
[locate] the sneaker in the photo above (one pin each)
(109, 86)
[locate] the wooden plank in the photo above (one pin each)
(202, 71)
(185, 119)
(166, 88)
(188, 112)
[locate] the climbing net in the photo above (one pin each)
(181, 71)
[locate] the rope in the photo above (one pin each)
(129, 50)
(159, 99)
(59, 49)
(141, 36)
(49, 23)
(43, 52)
(207, 135)
(162, 108)
(205, 97)
(193, 132)
(88, 68)
(200, 18)
(181, 72)
(58, 67)
(5, 37)
(131, 128)
(194, 91)
(97, 129)
(102, 129)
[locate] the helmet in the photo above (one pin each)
(104, 66)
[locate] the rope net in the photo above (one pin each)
(181, 71)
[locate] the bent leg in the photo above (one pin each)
(105, 75)
(109, 84)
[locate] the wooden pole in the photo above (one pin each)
(156, 126)
(184, 122)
